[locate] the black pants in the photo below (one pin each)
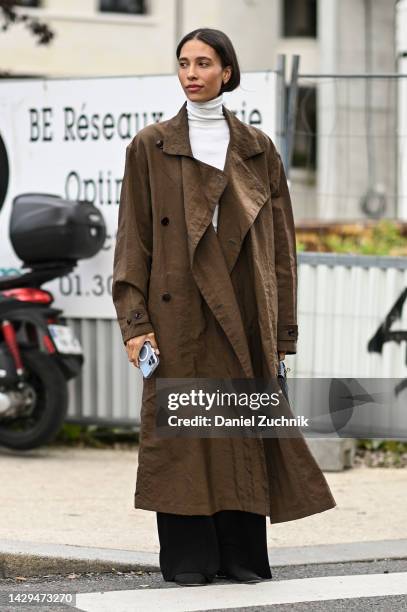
(212, 544)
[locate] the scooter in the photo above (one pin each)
(39, 352)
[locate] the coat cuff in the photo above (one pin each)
(287, 335)
(136, 323)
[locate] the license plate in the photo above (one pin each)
(65, 340)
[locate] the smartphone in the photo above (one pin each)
(148, 359)
(282, 370)
(282, 378)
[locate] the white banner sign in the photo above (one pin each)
(68, 137)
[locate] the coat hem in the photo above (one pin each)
(295, 515)
(194, 510)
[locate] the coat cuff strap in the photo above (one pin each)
(287, 335)
(136, 323)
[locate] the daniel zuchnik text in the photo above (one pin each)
(256, 420)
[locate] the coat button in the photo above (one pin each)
(166, 297)
(165, 221)
(159, 144)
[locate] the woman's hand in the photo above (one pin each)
(133, 347)
(281, 356)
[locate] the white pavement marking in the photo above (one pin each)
(215, 596)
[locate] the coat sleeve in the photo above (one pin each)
(285, 259)
(133, 249)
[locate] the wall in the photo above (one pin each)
(90, 43)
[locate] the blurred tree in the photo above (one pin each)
(9, 16)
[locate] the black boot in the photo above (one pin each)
(191, 579)
(240, 574)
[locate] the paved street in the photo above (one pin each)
(346, 586)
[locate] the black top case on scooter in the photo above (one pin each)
(46, 227)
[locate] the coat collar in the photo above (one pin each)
(244, 142)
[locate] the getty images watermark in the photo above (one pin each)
(208, 401)
(277, 407)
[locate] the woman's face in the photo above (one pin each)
(200, 71)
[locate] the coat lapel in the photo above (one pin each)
(243, 201)
(203, 188)
(242, 195)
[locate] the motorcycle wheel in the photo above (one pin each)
(49, 406)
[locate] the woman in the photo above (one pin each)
(205, 268)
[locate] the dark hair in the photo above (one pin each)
(223, 47)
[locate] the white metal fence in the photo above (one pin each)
(342, 301)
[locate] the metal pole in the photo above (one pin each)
(280, 106)
(179, 25)
(291, 113)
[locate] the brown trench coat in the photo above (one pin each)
(221, 306)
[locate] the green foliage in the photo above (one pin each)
(96, 436)
(381, 239)
(394, 446)
(300, 246)
(384, 237)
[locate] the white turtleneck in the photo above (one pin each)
(209, 135)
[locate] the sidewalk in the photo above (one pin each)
(84, 498)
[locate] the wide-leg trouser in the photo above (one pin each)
(211, 544)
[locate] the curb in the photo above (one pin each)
(32, 559)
